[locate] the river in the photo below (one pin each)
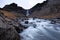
(40, 29)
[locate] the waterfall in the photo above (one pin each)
(27, 13)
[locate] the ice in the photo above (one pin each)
(40, 29)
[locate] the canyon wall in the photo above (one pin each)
(48, 9)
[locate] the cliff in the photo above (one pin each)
(48, 9)
(9, 24)
(14, 8)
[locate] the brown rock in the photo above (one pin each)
(7, 32)
(48, 9)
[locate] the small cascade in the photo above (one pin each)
(27, 13)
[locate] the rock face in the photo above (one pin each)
(7, 32)
(13, 7)
(12, 19)
(48, 9)
(10, 26)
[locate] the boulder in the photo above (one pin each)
(7, 32)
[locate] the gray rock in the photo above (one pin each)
(7, 32)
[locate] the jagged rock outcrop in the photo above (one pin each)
(14, 8)
(7, 32)
(48, 9)
(12, 20)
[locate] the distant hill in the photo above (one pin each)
(14, 8)
(48, 9)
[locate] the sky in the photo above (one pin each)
(26, 4)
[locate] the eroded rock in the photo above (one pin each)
(7, 32)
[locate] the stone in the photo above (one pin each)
(7, 32)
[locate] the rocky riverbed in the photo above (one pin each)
(18, 28)
(40, 29)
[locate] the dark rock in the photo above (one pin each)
(21, 28)
(53, 22)
(7, 32)
(1, 14)
(26, 22)
(48, 9)
(38, 6)
(58, 18)
(34, 25)
(17, 29)
(14, 8)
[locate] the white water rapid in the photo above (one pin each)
(40, 29)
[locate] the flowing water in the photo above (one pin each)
(40, 29)
(27, 13)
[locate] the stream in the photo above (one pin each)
(40, 29)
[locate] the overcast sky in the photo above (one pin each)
(26, 4)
